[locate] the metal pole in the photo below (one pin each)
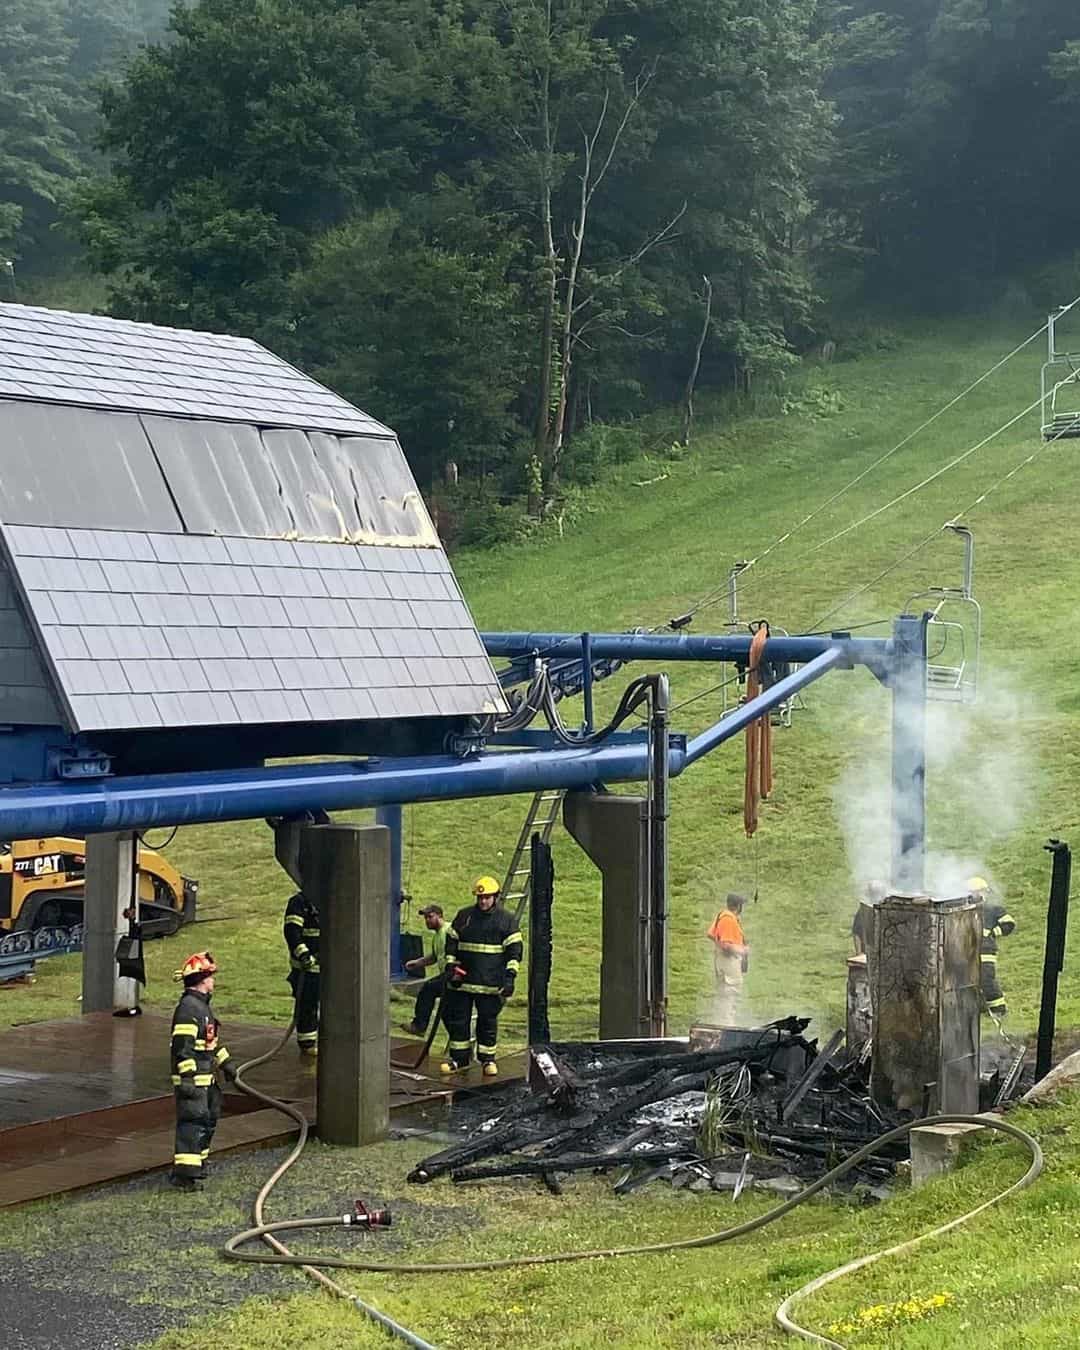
(908, 681)
(587, 678)
(392, 818)
(1057, 917)
(657, 949)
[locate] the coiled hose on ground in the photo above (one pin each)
(281, 1254)
(313, 1266)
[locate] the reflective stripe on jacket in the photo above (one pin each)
(487, 946)
(301, 930)
(195, 1047)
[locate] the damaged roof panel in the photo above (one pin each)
(198, 534)
(234, 641)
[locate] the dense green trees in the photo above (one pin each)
(955, 137)
(490, 221)
(51, 54)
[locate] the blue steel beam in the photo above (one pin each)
(779, 693)
(392, 816)
(873, 652)
(908, 685)
(141, 803)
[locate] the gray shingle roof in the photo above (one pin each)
(176, 571)
(93, 362)
(161, 630)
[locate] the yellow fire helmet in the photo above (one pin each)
(486, 886)
(976, 885)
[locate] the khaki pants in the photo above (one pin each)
(729, 981)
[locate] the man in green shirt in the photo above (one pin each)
(433, 964)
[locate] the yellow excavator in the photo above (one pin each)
(41, 886)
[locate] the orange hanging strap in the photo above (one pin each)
(758, 783)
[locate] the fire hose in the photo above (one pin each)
(313, 1266)
(282, 1255)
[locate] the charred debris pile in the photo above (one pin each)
(736, 1108)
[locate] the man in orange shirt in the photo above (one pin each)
(730, 958)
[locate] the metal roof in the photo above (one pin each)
(167, 571)
(94, 362)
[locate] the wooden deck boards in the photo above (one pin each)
(87, 1100)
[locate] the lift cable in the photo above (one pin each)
(923, 543)
(718, 593)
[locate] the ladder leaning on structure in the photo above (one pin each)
(542, 815)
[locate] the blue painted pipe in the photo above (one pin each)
(686, 647)
(392, 817)
(141, 803)
(779, 693)
(90, 807)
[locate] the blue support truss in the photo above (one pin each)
(79, 802)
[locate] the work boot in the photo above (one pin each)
(491, 1069)
(182, 1183)
(309, 1051)
(448, 1066)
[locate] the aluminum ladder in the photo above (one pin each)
(540, 819)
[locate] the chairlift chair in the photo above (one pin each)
(1060, 387)
(954, 631)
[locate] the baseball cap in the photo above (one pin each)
(425, 910)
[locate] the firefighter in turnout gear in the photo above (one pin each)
(196, 1053)
(997, 922)
(301, 929)
(483, 957)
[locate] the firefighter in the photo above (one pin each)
(433, 964)
(731, 957)
(997, 922)
(301, 929)
(196, 1051)
(483, 957)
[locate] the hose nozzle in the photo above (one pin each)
(369, 1218)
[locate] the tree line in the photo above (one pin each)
(498, 223)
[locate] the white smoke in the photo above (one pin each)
(980, 779)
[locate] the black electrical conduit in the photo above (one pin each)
(313, 1266)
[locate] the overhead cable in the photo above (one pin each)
(717, 593)
(923, 543)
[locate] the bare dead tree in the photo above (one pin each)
(691, 383)
(594, 169)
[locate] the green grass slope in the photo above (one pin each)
(1003, 777)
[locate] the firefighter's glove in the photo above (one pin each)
(308, 964)
(228, 1069)
(507, 989)
(187, 1090)
(455, 976)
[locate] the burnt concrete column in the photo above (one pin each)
(108, 890)
(345, 870)
(923, 965)
(614, 832)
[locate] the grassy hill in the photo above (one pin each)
(1004, 776)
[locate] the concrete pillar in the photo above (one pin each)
(346, 871)
(860, 1022)
(614, 832)
(109, 889)
(923, 965)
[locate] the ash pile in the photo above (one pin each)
(730, 1110)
